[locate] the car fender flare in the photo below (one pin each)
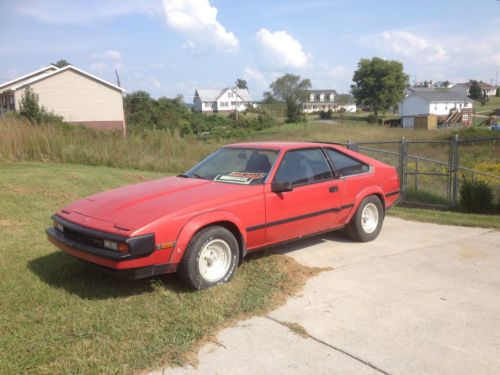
(370, 190)
(196, 223)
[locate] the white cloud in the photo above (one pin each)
(108, 60)
(61, 12)
(279, 50)
(197, 21)
(99, 66)
(337, 72)
(407, 45)
(251, 74)
(112, 55)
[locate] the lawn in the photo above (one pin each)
(490, 106)
(59, 315)
(446, 217)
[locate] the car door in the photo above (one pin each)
(311, 206)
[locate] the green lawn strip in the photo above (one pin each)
(446, 217)
(59, 315)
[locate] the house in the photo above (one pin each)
(326, 100)
(463, 88)
(79, 97)
(449, 107)
(225, 100)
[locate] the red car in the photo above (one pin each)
(241, 198)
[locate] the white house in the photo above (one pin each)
(463, 88)
(326, 100)
(79, 97)
(225, 100)
(442, 104)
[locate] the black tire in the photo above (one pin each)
(359, 228)
(196, 272)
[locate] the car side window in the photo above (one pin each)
(345, 165)
(302, 167)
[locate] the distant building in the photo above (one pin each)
(79, 97)
(463, 88)
(449, 107)
(221, 100)
(326, 100)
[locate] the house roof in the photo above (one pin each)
(47, 74)
(38, 72)
(441, 96)
(318, 92)
(483, 85)
(209, 95)
(212, 95)
(243, 94)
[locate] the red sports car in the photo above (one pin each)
(241, 198)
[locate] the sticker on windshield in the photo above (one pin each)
(240, 177)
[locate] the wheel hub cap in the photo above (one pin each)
(369, 218)
(214, 260)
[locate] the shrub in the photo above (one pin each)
(31, 110)
(476, 196)
(372, 119)
(325, 115)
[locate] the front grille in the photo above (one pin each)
(83, 238)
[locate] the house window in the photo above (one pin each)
(311, 98)
(465, 117)
(332, 97)
(322, 98)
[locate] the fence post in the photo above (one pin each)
(403, 165)
(455, 161)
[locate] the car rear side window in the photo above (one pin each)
(302, 167)
(345, 165)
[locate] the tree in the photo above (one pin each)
(61, 63)
(379, 83)
(446, 84)
(475, 91)
(241, 84)
(30, 109)
(291, 90)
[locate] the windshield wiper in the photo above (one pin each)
(193, 175)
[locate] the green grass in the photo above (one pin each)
(58, 315)
(446, 217)
(490, 106)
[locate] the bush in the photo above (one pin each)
(30, 109)
(476, 196)
(325, 115)
(372, 119)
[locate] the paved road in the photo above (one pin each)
(421, 299)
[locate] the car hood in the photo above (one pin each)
(135, 206)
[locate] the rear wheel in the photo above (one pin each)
(366, 224)
(210, 258)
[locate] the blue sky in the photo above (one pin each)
(172, 47)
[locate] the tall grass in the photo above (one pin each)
(151, 150)
(165, 151)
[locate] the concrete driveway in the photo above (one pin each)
(421, 299)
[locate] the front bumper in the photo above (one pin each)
(89, 240)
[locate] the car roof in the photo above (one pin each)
(278, 145)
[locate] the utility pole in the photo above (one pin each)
(123, 106)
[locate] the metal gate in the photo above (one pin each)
(435, 179)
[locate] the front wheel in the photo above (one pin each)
(210, 258)
(366, 224)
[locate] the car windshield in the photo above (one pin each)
(247, 166)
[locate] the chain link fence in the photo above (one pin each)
(432, 172)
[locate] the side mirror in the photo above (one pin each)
(281, 187)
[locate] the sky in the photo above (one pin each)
(172, 47)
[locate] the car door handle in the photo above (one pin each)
(333, 189)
